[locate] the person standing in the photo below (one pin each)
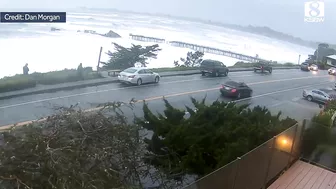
(25, 69)
(80, 71)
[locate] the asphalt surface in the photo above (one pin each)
(279, 91)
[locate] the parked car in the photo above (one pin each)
(332, 71)
(138, 76)
(319, 95)
(236, 90)
(313, 67)
(304, 66)
(262, 67)
(214, 68)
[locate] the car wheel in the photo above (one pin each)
(226, 73)
(157, 79)
(239, 96)
(139, 82)
(309, 98)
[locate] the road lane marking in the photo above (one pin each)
(108, 90)
(173, 95)
(211, 89)
(282, 91)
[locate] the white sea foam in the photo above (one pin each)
(67, 48)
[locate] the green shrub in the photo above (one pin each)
(319, 137)
(288, 64)
(180, 68)
(211, 137)
(241, 64)
(316, 134)
(330, 105)
(17, 82)
(56, 77)
(20, 82)
(324, 118)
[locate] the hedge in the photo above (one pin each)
(19, 82)
(236, 65)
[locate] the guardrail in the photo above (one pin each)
(259, 167)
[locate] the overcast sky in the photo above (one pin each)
(282, 15)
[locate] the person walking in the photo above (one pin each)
(25, 69)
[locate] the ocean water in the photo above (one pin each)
(46, 50)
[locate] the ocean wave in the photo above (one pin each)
(45, 50)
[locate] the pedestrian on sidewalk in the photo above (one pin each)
(25, 69)
(80, 71)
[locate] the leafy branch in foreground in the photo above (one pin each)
(75, 149)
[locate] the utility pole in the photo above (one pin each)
(299, 59)
(101, 49)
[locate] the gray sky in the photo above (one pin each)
(282, 15)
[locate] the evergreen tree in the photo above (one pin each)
(123, 57)
(211, 137)
(193, 59)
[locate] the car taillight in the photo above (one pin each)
(233, 90)
(131, 76)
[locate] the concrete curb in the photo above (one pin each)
(83, 85)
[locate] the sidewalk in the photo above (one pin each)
(94, 82)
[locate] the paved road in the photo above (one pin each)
(281, 90)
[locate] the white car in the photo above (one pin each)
(138, 76)
(332, 71)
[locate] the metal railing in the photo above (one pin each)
(259, 167)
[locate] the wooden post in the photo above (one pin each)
(101, 49)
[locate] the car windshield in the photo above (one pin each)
(130, 70)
